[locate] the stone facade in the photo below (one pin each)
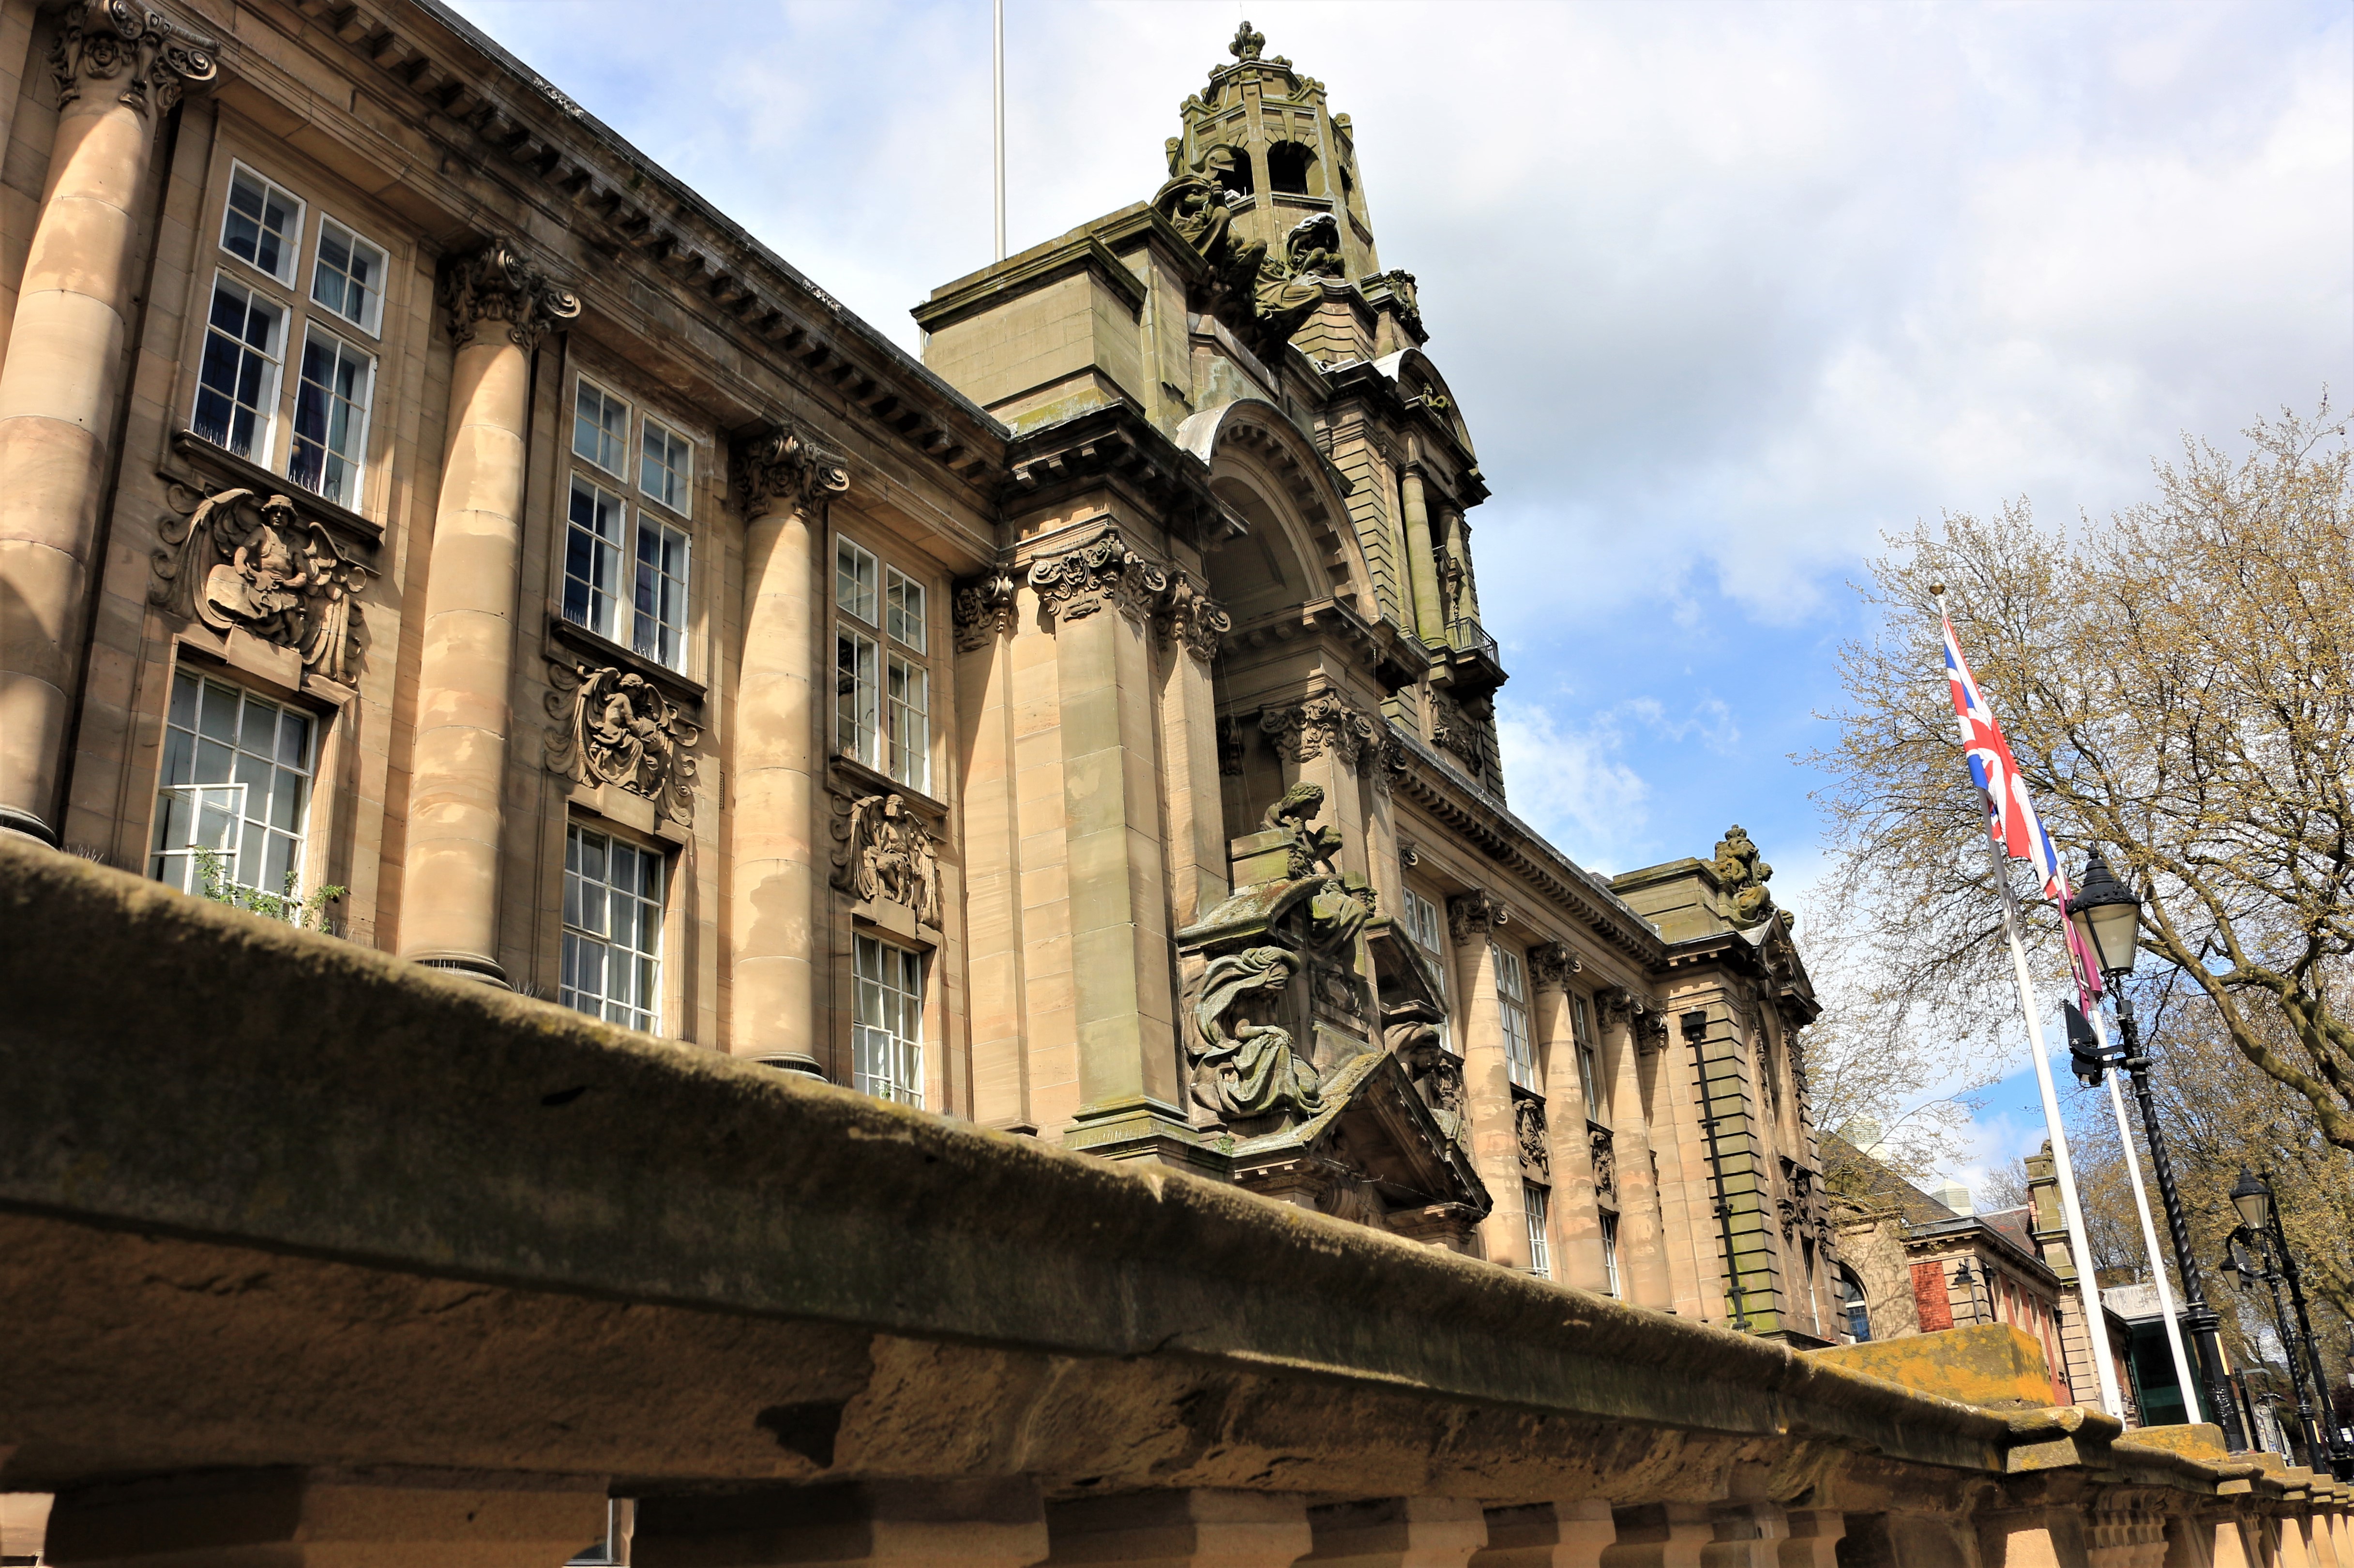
(420, 516)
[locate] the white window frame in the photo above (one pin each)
(292, 239)
(882, 676)
(1512, 1016)
(263, 447)
(649, 918)
(1537, 1202)
(648, 622)
(357, 463)
(908, 721)
(641, 516)
(1610, 1286)
(858, 695)
(887, 1052)
(371, 317)
(230, 800)
(1426, 928)
(674, 440)
(903, 610)
(583, 384)
(857, 581)
(1589, 1062)
(619, 550)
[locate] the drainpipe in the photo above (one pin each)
(1695, 1025)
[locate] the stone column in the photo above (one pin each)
(996, 1524)
(498, 309)
(1398, 1532)
(296, 1518)
(1191, 624)
(1576, 1216)
(2227, 1547)
(1197, 1529)
(1642, 1235)
(773, 842)
(1473, 919)
(1100, 598)
(1547, 1535)
(1422, 558)
(119, 69)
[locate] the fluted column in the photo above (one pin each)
(1473, 919)
(118, 68)
(773, 834)
(1642, 1236)
(498, 308)
(1576, 1211)
(1422, 559)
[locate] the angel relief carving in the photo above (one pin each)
(240, 561)
(619, 729)
(887, 854)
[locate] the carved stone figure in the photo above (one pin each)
(112, 41)
(983, 609)
(619, 729)
(494, 284)
(1410, 1030)
(1230, 748)
(1104, 570)
(1606, 1161)
(1529, 1128)
(776, 461)
(1241, 1066)
(238, 561)
(1195, 205)
(1743, 876)
(887, 854)
(1247, 43)
(1190, 618)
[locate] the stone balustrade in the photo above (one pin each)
(315, 1256)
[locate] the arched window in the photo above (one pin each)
(1288, 163)
(1230, 167)
(1849, 1291)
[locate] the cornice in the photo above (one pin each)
(1395, 660)
(1032, 269)
(1482, 822)
(1114, 445)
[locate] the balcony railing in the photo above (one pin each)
(1466, 635)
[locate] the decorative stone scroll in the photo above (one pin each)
(983, 609)
(619, 729)
(1552, 963)
(1743, 876)
(1606, 1161)
(492, 282)
(886, 854)
(775, 462)
(1388, 764)
(98, 45)
(240, 561)
(1478, 913)
(1103, 571)
(1189, 616)
(1529, 1128)
(1305, 730)
(1245, 1067)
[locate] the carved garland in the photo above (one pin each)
(494, 284)
(154, 57)
(618, 729)
(1104, 570)
(775, 463)
(241, 562)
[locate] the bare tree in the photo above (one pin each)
(2177, 685)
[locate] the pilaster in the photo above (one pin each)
(1473, 919)
(1570, 1153)
(1625, 1024)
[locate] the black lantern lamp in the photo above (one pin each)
(2107, 916)
(2252, 1196)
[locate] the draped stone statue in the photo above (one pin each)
(1244, 1067)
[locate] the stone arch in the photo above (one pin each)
(1417, 378)
(1265, 467)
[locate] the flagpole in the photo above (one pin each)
(2096, 1336)
(997, 117)
(2148, 1232)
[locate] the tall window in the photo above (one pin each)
(235, 788)
(888, 1035)
(1609, 1254)
(259, 327)
(1589, 1069)
(613, 930)
(1426, 928)
(1536, 1201)
(626, 581)
(1512, 1009)
(881, 685)
(1848, 1288)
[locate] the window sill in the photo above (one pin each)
(606, 652)
(864, 780)
(245, 473)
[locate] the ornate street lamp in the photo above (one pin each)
(2252, 1195)
(2107, 916)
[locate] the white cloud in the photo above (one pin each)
(1571, 785)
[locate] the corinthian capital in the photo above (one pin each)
(775, 463)
(1102, 571)
(492, 283)
(142, 57)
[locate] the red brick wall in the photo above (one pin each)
(1929, 1297)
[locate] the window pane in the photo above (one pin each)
(261, 224)
(910, 725)
(857, 696)
(241, 785)
(592, 558)
(665, 465)
(600, 426)
(903, 611)
(348, 278)
(661, 605)
(331, 404)
(237, 378)
(612, 939)
(855, 580)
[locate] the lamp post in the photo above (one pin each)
(2107, 916)
(2260, 1213)
(1963, 1277)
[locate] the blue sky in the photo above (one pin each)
(1725, 290)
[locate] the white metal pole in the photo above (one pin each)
(2096, 1335)
(997, 117)
(2150, 1234)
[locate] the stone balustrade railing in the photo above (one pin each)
(313, 1255)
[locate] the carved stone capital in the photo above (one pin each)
(1386, 762)
(1615, 1005)
(1528, 1126)
(1103, 571)
(142, 57)
(617, 728)
(1190, 617)
(1305, 730)
(240, 561)
(775, 463)
(983, 609)
(492, 282)
(1552, 963)
(1476, 915)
